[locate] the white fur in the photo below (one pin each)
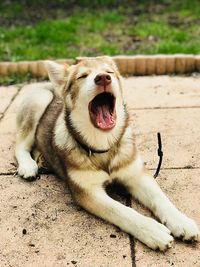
(38, 99)
(179, 224)
(80, 117)
(126, 149)
(144, 187)
(63, 140)
(56, 72)
(147, 230)
(27, 167)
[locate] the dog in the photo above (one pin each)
(78, 124)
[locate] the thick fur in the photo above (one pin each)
(53, 116)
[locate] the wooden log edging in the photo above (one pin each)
(158, 64)
(35, 68)
(130, 65)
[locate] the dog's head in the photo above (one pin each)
(92, 93)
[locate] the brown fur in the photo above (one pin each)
(44, 136)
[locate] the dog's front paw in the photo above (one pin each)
(28, 170)
(183, 227)
(155, 235)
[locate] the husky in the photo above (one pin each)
(79, 126)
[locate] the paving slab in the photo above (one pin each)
(22, 92)
(41, 226)
(179, 129)
(7, 162)
(61, 234)
(7, 93)
(162, 91)
(182, 187)
(169, 105)
(8, 124)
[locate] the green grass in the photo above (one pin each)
(166, 39)
(86, 31)
(76, 35)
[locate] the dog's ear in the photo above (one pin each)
(57, 73)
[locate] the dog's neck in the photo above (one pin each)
(90, 150)
(79, 139)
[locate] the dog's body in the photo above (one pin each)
(79, 124)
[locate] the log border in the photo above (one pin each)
(128, 65)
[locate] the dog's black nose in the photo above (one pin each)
(102, 79)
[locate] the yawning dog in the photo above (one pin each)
(78, 123)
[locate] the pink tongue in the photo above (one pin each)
(104, 119)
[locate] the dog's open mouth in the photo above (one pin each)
(102, 111)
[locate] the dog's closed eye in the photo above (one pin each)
(110, 72)
(82, 76)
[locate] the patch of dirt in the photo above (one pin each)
(177, 21)
(24, 12)
(29, 13)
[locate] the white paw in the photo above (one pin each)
(28, 170)
(183, 227)
(155, 235)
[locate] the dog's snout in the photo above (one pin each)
(102, 79)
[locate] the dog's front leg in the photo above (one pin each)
(145, 188)
(88, 190)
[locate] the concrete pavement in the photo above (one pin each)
(41, 226)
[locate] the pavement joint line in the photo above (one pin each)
(176, 168)
(132, 247)
(11, 101)
(14, 173)
(131, 238)
(158, 108)
(7, 173)
(150, 169)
